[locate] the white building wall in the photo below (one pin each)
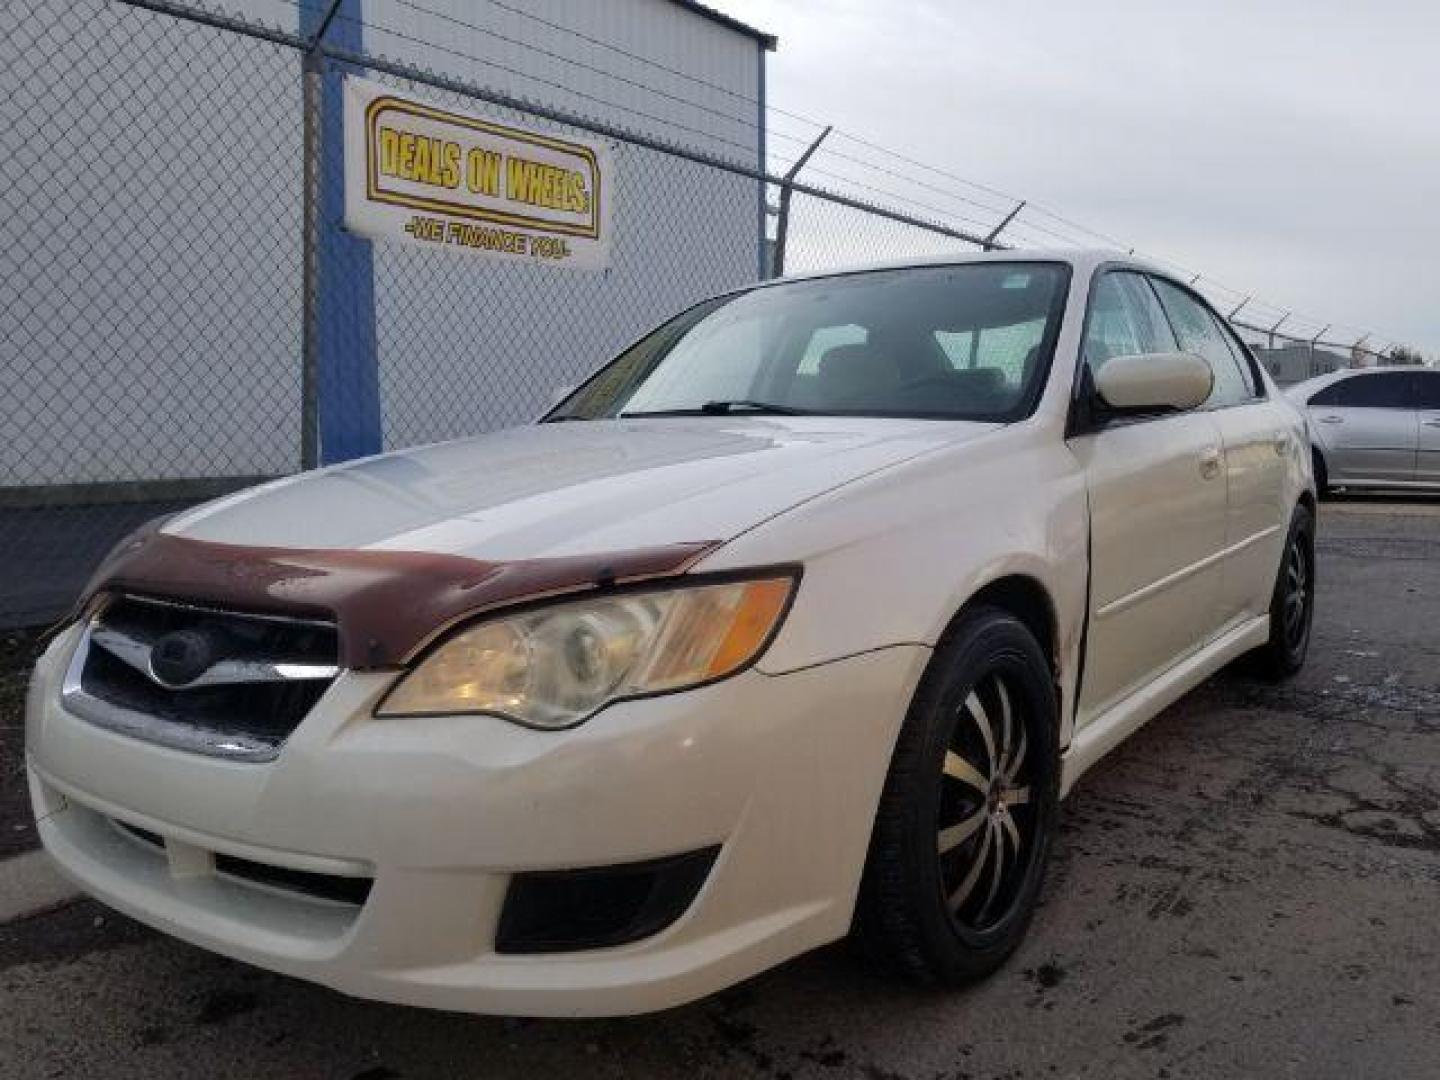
(506, 336)
(149, 299)
(150, 241)
(516, 48)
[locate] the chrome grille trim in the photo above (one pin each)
(117, 718)
(230, 710)
(136, 653)
(210, 609)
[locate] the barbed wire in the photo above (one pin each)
(1023, 226)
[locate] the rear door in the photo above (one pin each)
(1157, 513)
(1258, 451)
(1427, 456)
(1368, 426)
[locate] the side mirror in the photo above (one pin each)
(1176, 380)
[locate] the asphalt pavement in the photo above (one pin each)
(1248, 888)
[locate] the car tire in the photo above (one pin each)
(1292, 603)
(963, 829)
(1322, 474)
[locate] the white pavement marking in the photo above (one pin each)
(30, 884)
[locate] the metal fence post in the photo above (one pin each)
(341, 351)
(309, 405)
(992, 240)
(782, 227)
(762, 209)
(1314, 341)
(313, 73)
(1272, 331)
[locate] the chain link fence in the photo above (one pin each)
(476, 344)
(184, 315)
(158, 327)
(150, 314)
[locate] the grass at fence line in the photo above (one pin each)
(17, 825)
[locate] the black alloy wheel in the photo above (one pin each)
(962, 832)
(1292, 603)
(986, 823)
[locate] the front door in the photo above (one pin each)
(1258, 454)
(1157, 492)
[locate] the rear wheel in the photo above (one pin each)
(1292, 604)
(963, 830)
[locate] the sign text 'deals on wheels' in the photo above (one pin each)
(432, 176)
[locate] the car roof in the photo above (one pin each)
(1083, 260)
(1319, 382)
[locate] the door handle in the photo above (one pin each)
(1210, 463)
(1332, 420)
(1431, 423)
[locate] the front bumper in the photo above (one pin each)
(781, 772)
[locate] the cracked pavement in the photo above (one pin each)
(1246, 888)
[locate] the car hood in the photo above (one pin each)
(561, 489)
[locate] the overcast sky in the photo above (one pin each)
(1285, 147)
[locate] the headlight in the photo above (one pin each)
(556, 665)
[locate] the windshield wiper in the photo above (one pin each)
(725, 408)
(747, 405)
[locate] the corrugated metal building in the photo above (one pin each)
(677, 71)
(150, 225)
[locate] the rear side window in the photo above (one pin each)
(1125, 320)
(1199, 333)
(1248, 367)
(1381, 390)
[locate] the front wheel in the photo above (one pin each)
(1292, 603)
(962, 834)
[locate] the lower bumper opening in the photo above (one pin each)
(340, 890)
(599, 907)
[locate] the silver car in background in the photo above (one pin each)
(1377, 427)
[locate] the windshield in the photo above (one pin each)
(969, 341)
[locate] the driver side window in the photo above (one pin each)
(1125, 320)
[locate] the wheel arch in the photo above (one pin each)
(1028, 599)
(1025, 597)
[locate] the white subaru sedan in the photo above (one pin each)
(798, 618)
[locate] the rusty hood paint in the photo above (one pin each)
(386, 604)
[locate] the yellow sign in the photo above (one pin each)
(426, 175)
